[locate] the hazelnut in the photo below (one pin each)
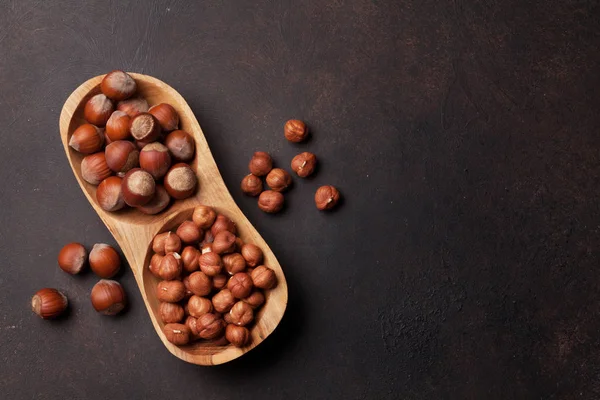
(117, 126)
(222, 223)
(304, 164)
(49, 303)
(189, 258)
(108, 297)
(240, 285)
(170, 267)
(158, 203)
(107, 140)
(109, 194)
(206, 247)
(166, 242)
(227, 318)
(180, 181)
(223, 301)
(241, 313)
(97, 110)
(279, 180)
(181, 145)
(155, 159)
(326, 197)
(263, 277)
(252, 254)
(138, 187)
(219, 281)
(255, 300)
(104, 260)
(178, 334)
(224, 242)
(121, 156)
(118, 85)
(295, 131)
(170, 312)
(204, 216)
(87, 139)
(260, 164)
(251, 185)
(144, 127)
(237, 335)
(210, 326)
(234, 263)
(133, 107)
(72, 257)
(192, 324)
(189, 233)
(198, 306)
(210, 263)
(166, 115)
(270, 201)
(155, 264)
(170, 291)
(94, 168)
(188, 291)
(200, 284)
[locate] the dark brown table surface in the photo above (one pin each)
(464, 136)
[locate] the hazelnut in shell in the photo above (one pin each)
(72, 258)
(108, 297)
(180, 181)
(178, 334)
(170, 291)
(251, 185)
(295, 131)
(240, 285)
(224, 242)
(204, 216)
(198, 306)
(104, 260)
(326, 197)
(117, 126)
(241, 313)
(118, 85)
(199, 283)
(109, 194)
(49, 303)
(144, 127)
(170, 313)
(270, 201)
(252, 254)
(279, 180)
(189, 233)
(263, 277)
(210, 326)
(304, 164)
(121, 156)
(237, 335)
(158, 203)
(138, 187)
(87, 139)
(155, 159)
(260, 164)
(94, 168)
(170, 267)
(181, 145)
(98, 109)
(133, 106)
(166, 115)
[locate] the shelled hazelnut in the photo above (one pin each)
(295, 131)
(326, 197)
(260, 164)
(304, 164)
(252, 185)
(279, 180)
(270, 201)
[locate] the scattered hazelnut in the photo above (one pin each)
(240, 285)
(155, 264)
(241, 313)
(117, 127)
(223, 301)
(180, 181)
(121, 156)
(252, 254)
(97, 110)
(252, 185)
(189, 258)
(49, 303)
(189, 233)
(108, 297)
(224, 242)
(278, 179)
(198, 306)
(181, 145)
(159, 201)
(210, 326)
(270, 201)
(304, 164)
(222, 223)
(237, 335)
(133, 107)
(256, 299)
(87, 139)
(166, 116)
(260, 164)
(170, 267)
(170, 312)
(178, 334)
(155, 159)
(138, 187)
(167, 242)
(94, 168)
(210, 263)
(144, 127)
(104, 260)
(200, 284)
(72, 257)
(118, 85)
(219, 281)
(326, 197)
(234, 263)
(109, 194)
(263, 277)
(295, 131)
(204, 216)
(170, 291)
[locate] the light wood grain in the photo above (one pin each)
(134, 231)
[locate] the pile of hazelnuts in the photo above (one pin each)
(134, 153)
(279, 180)
(210, 283)
(107, 296)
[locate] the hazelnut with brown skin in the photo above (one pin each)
(155, 264)
(223, 301)
(223, 223)
(252, 254)
(178, 334)
(170, 313)
(304, 164)
(189, 233)
(255, 300)
(240, 285)
(295, 131)
(219, 281)
(263, 277)
(191, 323)
(326, 197)
(224, 242)
(237, 335)
(210, 326)
(270, 201)
(189, 258)
(199, 283)
(170, 291)
(198, 306)
(241, 313)
(210, 263)
(170, 267)
(260, 164)
(279, 180)
(167, 242)
(204, 216)
(234, 263)
(252, 185)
